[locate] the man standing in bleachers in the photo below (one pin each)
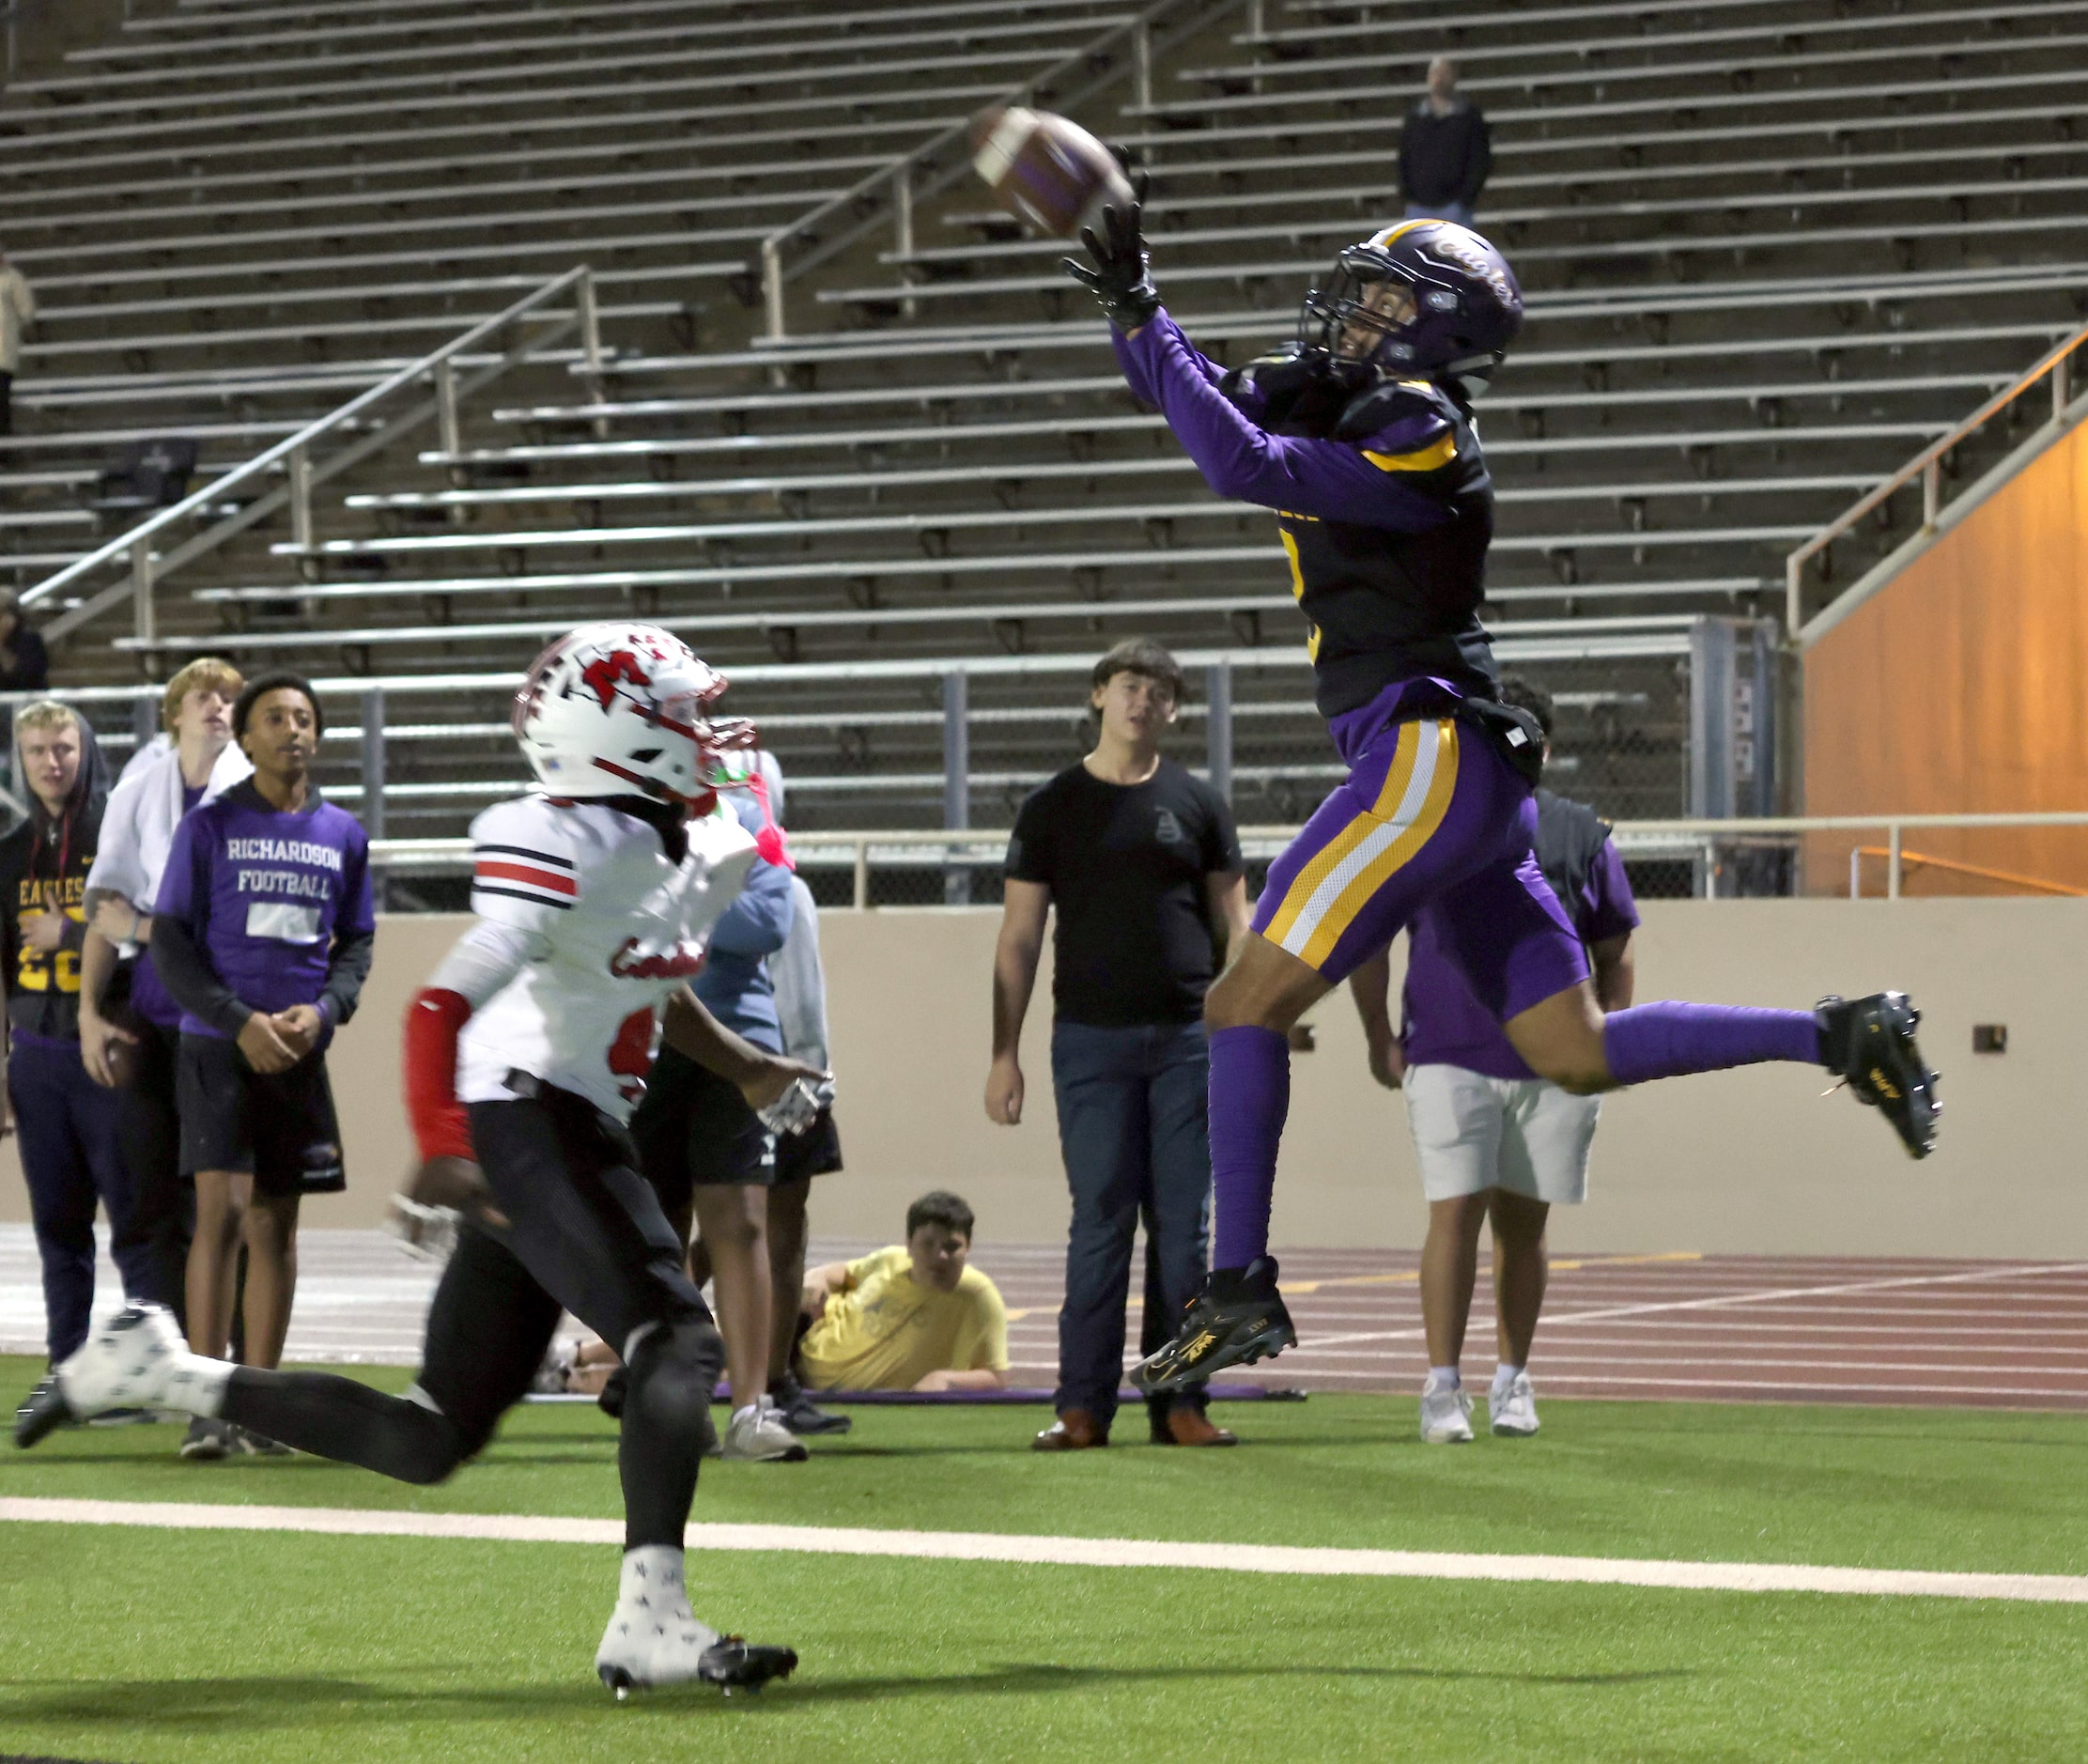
(1141, 861)
(17, 312)
(1445, 153)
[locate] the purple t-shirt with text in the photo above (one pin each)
(264, 894)
(1446, 1025)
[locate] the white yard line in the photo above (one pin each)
(1768, 1295)
(974, 1546)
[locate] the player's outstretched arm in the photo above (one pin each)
(762, 1077)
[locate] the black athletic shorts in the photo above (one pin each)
(694, 1130)
(278, 1127)
(583, 1222)
(816, 1152)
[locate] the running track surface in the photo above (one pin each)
(1678, 1326)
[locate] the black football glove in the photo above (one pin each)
(1120, 280)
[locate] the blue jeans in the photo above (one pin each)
(71, 1159)
(1459, 211)
(1132, 1128)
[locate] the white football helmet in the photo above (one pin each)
(619, 708)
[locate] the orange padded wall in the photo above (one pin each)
(1963, 687)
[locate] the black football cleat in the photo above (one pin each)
(42, 1412)
(734, 1664)
(1237, 1319)
(1869, 1045)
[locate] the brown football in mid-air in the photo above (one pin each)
(1046, 171)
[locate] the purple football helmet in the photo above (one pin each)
(1423, 299)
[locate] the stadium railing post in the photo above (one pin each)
(301, 497)
(146, 615)
(956, 779)
(373, 779)
(903, 230)
(1217, 730)
(1892, 860)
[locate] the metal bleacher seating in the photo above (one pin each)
(1770, 248)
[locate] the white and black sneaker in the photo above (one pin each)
(653, 1638)
(209, 1442)
(133, 1361)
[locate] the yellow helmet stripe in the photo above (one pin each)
(1390, 233)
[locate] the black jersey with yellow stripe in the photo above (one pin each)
(1396, 596)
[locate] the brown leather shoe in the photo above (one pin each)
(1075, 1431)
(1190, 1427)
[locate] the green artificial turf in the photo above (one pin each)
(134, 1645)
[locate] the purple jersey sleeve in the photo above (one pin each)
(1330, 480)
(1611, 910)
(1137, 367)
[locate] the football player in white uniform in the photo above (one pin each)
(525, 1055)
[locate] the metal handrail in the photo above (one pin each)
(1920, 860)
(902, 175)
(439, 853)
(294, 452)
(1927, 466)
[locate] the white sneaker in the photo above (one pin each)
(1512, 1409)
(756, 1435)
(1446, 1415)
(653, 1638)
(125, 1364)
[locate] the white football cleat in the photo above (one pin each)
(1446, 1415)
(756, 1435)
(137, 1360)
(1512, 1409)
(655, 1639)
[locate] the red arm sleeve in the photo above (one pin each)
(433, 1023)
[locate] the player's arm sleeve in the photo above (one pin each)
(479, 965)
(354, 940)
(1612, 912)
(525, 870)
(1331, 480)
(1137, 364)
(179, 927)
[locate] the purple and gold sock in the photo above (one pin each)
(1250, 1094)
(1668, 1040)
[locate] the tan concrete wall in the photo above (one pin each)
(1749, 1161)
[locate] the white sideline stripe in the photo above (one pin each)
(1555, 1321)
(977, 1546)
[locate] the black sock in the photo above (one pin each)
(344, 1420)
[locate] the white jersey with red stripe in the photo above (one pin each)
(614, 929)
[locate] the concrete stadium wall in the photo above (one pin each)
(1753, 1161)
(1961, 686)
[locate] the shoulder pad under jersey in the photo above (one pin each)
(526, 858)
(1419, 404)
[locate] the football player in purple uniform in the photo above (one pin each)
(1360, 434)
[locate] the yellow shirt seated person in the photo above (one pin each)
(913, 1317)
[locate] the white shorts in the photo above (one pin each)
(1472, 1133)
